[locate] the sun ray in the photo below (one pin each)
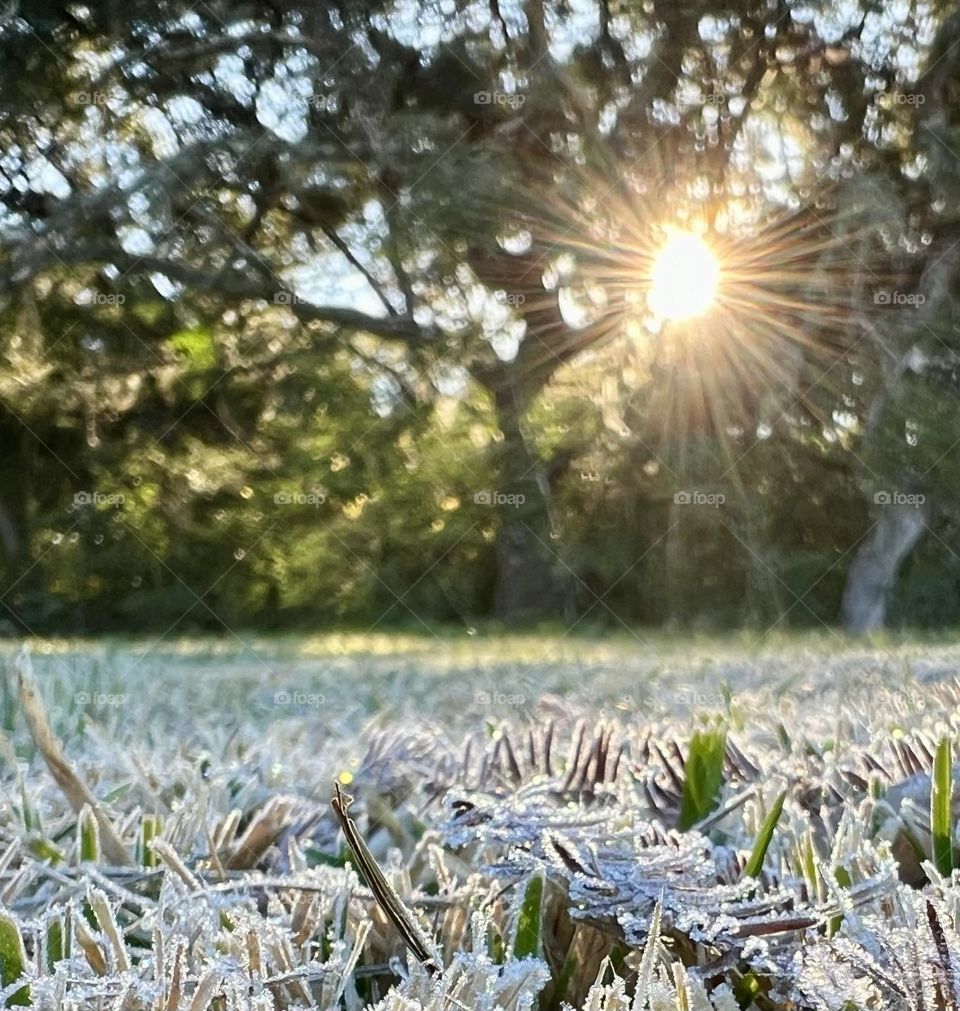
(742, 322)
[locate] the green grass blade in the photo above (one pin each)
(566, 974)
(55, 946)
(31, 819)
(88, 831)
(941, 815)
(528, 925)
(496, 949)
(808, 862)
(702, 776)
(149, 830)
(747, 989)
(755, 864)
(13, 960)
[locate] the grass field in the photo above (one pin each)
(459, 676)
(703, 823)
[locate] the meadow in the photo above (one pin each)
(516, 338)
(538, 820)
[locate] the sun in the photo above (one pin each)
(684, 278)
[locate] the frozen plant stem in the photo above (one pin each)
(383, 891)
(74, 789)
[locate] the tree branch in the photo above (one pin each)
(233, 285)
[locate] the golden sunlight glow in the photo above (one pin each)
(684, 278)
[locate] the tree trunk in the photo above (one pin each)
(763, 591)
(876, 563)
(530, 581)
(529, 576)
(16, 480)
(10, 539)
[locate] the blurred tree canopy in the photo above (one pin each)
(338, 312)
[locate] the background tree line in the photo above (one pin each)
(334, 312)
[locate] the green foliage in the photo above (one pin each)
(747, 989)
(29, 814)
(196, 348)
(58, 939)
(13, 960)
(941, 807)
(88, 836)
(754, 864)
(527, 942)
(149, 830)
(191, 387)
(702, 776)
